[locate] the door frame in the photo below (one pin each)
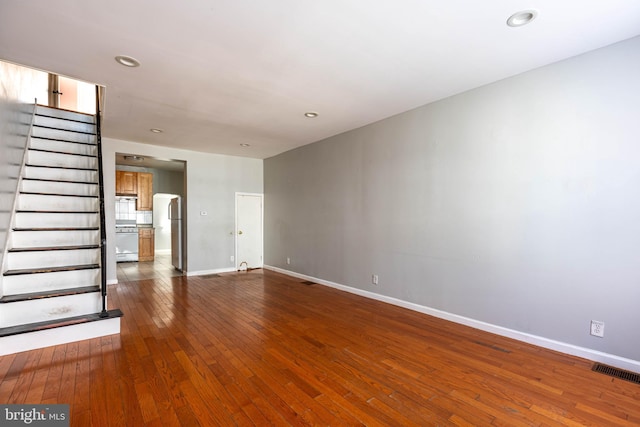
(235, 228)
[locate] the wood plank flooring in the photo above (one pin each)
(264, 349)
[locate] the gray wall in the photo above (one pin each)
(515, 204)
(212, 181)
(16, 90)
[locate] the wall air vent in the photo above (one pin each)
(617, 373)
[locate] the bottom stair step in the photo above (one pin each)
(48, 294)
(59, 323)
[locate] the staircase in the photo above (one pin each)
(53, 289)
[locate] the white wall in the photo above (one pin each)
(211, 183)
(515, 204)
(19, 86)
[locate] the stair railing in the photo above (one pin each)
(103, 230)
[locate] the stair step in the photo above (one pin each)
(51, 269)
(65, 181)
(63, 188)
(50, 324)
(60, 174)
(31, 165)
(62, 146)
(37, 193)
(62, 135)
(51, 258)
(61, 160)
(48, 294)
(65, 219)
(34, 310)
(60, 113)
(66, 124)
(53, 248)
(53, 281)
(54, 238)
(56, 229)
(68, 153)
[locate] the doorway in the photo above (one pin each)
(249, 226)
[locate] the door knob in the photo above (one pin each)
(240, 232)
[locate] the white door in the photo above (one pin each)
(248, 230)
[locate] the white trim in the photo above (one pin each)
(235, 228)
(112, 282)
(574, 350)
(56, 336)
(215, 271)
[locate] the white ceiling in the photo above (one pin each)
(218, 73)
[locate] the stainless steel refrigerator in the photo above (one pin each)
(175, 216)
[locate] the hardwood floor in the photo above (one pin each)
(261, 348)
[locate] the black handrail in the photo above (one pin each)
(103, 231)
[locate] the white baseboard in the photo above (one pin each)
(214, 271)
(585, 353)
(56, 336)
(112, 282)
(163, 251)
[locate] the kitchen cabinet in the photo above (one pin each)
(145, 192)
(146, 244)
(126, 183)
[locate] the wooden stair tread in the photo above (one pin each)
(53, 248)
(51, 269)
(41, 150)
(64, 140)
(62, 212)
(49, 294)
(39, 193)
(56, 229)
(64, 130)
(66, 181)
(61, 167)
(51, 324)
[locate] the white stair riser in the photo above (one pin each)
(54, 112)
(57, 336)
(61, 174)
(50, 187)
(64, 135)
(57, 123)
(48, 220)
(65, 147)
(46, 259)
(39, 202)
(28, 283)
(46, 239)
(40, 310)
(61, 160)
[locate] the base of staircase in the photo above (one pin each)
(15, 339)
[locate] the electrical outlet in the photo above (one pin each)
(288, 260)
(232, 258)
(374, 279)
(203, 213)
(597, 328)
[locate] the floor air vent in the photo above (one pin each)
(617, 373)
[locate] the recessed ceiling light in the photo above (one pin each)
(134, 158)
(311, 114)
(245, 145)
(521, 18)
(156, 130)
(127, 61)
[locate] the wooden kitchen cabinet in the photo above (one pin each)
(126, 183)
(146, 244)
(145, 192)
